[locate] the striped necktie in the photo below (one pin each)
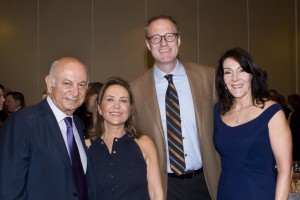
(175, 143)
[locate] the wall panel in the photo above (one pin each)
(109, 37)
(119, 48)
(222, 25)
(18, 47)
(272, 41)
(65, 29)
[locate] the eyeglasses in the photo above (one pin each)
(169, 37)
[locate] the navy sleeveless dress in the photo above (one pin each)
(248, 164)
(122, 174)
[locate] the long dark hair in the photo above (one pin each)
(259, 86)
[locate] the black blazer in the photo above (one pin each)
(295, 128)
(34, 161)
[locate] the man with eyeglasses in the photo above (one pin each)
(174, 103)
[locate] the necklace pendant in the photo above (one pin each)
(236, 121)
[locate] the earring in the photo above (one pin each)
(225, 87)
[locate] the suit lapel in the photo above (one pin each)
(54, 131)
(196, 86)
(149, 95)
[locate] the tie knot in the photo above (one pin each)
(169, 77)
(68, 121)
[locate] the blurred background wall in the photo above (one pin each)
(109, 37)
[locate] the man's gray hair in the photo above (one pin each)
(52, 72)
(53, 69)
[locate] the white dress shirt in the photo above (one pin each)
(60, 116)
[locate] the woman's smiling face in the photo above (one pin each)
(115, 106)
(236, 79)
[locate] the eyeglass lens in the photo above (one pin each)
(169, 37)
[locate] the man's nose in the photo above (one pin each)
(75, 90)
(163, 41)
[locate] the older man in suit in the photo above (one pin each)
(182, 131)
(42, 153)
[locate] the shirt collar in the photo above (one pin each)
(18, 108)
(160, 75)
(59, 115)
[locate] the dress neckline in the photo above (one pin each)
(248, 122)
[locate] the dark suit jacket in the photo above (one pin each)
(34, 162)
(295, 128)
(148, 119)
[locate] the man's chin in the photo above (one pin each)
(72, 108)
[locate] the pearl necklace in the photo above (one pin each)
(236, 120)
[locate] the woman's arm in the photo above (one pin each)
(281, 142)
(153, 173)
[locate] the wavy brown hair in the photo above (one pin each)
(99, 128)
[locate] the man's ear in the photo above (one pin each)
(49, 84)
(18, 102)
(148, 45)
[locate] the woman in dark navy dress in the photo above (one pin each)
(125, 163)
(251, 133)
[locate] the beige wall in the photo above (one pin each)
(109, 37)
